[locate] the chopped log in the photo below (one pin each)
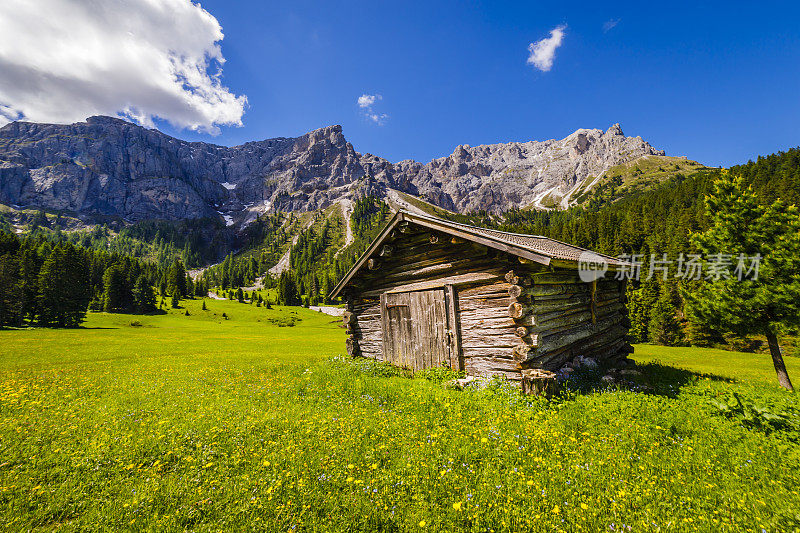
(404, 227)
(521, 331)
(517, 310)
(511, 277)
(517, 291)
(373, 264)
(386, 251)
(523, 352)
(537, 382)
(348, 318)
(433, 238)
(457, 240)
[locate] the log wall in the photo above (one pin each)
(560, 317)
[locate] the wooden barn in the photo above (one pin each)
(430, 292)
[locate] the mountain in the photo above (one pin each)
(113, 168)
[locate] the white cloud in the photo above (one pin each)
(609, 25)
(543, 52)
(366, 102)
(64, 60)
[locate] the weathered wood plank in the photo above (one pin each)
(454, 324)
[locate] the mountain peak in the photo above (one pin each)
(116, 168)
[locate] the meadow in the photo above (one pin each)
(256, 422)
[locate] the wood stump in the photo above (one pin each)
(539, 382)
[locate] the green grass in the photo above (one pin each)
(200, 423)
(731, 365)
(636, 176)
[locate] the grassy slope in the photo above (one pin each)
(732, 365)
(205, 424)
(637, 176)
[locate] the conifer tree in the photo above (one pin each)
(10, 291)
(770, 304)
(143, 296)
(177, 279)
(665, 327)
(30, 264)
(287, 290)
(116, 297)
(63, 284)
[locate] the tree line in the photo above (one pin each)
(54, 284)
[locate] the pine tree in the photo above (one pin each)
(10, 291)
(144, 297)
(30, 266)
(664, 327)
(640, 303)
(177, 279)
(204, 306)
(116, 297)
(240, 295)
(287, 290)
(770, 304)
(64, 293)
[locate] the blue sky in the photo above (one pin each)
(719, 83)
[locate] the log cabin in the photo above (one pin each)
(430, 292)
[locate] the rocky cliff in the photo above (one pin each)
(107, 166)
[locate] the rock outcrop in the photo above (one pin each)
(110, 167)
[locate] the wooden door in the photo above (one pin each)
(416, 332)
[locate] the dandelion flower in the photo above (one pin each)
(529, 483)
(556, 510)
(484, 440)
(422, 524)
(457, 506)
(584, 506)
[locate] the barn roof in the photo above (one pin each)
(536, 248)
